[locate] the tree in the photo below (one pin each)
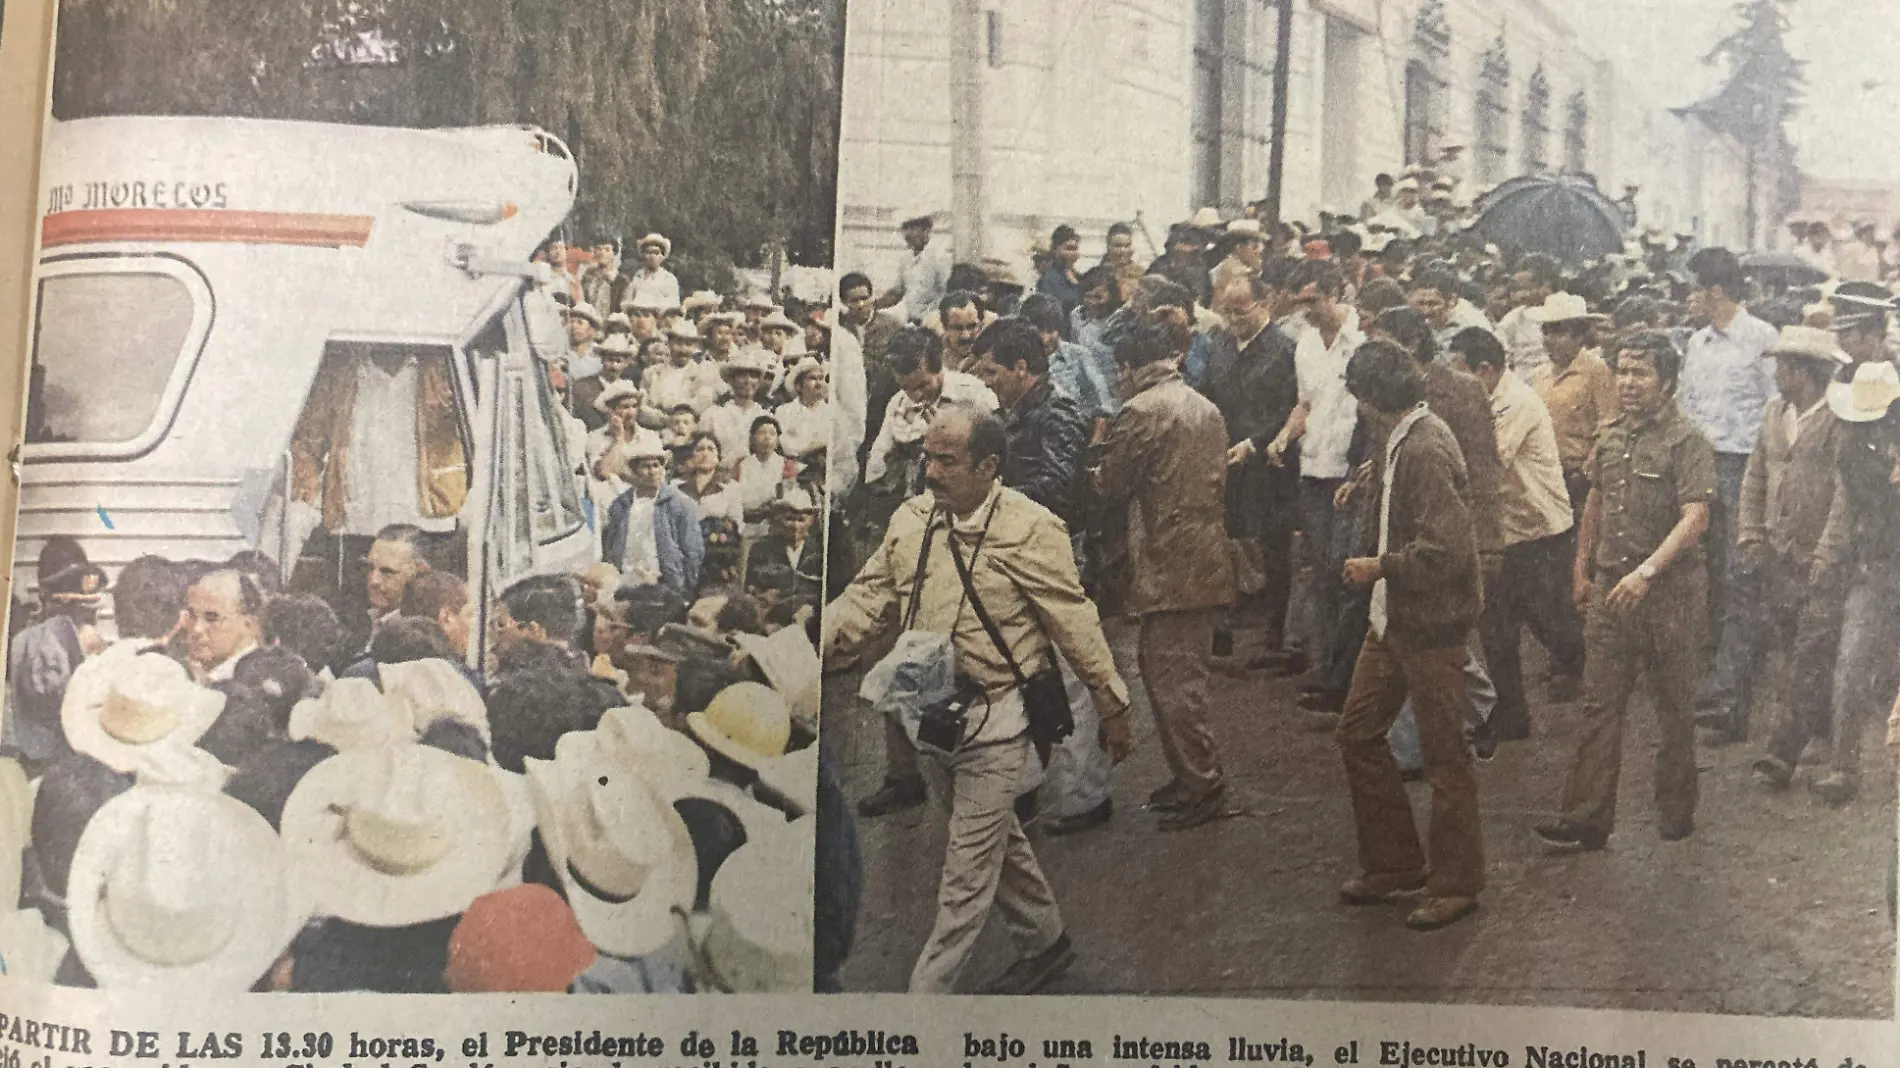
(713, 121)
(1761, 93)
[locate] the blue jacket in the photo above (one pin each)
(675, 532)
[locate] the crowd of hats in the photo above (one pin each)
(389, 836)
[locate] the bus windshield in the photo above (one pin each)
(105, 346)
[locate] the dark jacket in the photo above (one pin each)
(810, 568)
(1255, 389)
(1047, 435)
(1862, 537)
(1459, 400)
(676, 531)
(1433, 589)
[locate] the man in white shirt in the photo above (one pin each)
(653, 285)
(923, 387)
(1322, 424)
(923, 276)
(1819, 251)
(805, 420)
(1435, 295)
(731, 422)
(680, 380)
(1522, 330)
(1540, 544)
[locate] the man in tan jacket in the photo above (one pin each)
(1022, 568)
(1166, 451)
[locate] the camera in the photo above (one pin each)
(943, 722)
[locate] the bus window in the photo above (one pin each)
(104, 351)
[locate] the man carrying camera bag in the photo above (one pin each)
(995, 572)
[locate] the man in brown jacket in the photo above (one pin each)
(1426, 596)
(1787, 489)
(1166, 452)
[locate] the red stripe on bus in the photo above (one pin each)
(236, 227)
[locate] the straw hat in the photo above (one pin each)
(794, 776)
(1205, 219)
(613, 393)
(351, 714)
(757, 302)
(432, 690)
(806, 366)
(755, 361)
(1809, 343)
(623, 855)
(619, 319)
(615, 345)
(182, 887)
(400, 835)
(122, 705)
(778, 320)
(702, 298)
(1867, 398)
(586, 311)
(665, 245)
(1561, 308)
(790, 666)
(33, 951)
(746, 723)
(760, 935)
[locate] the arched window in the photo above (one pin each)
(1577, 133)
(1493, 111)
(1426, 83)
(1537, 123)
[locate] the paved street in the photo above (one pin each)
(1777, 905)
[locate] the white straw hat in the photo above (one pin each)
(123, 705)
(623, 855)
(432, 690)
(401, 835)
(760, 935)
(351, 714)
(181, 887)
(1867, 398)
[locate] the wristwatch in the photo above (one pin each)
(1647, 570)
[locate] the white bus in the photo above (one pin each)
(207, 293)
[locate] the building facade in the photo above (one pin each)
(1009, 116)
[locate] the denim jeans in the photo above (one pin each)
(1719, 543)
(1330, 539)
(1865, 671)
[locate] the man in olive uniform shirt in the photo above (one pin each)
(1640, 580)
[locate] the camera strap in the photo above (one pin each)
(983, 615)
(917, 580)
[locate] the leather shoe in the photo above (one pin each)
(1205, 809)
(896, 795)
(1381, 888)
(1169, 797)
(1031, 974)
(1774, 773)
(1560, 838)
(1439, 912)
(1081, 821)
(1834, 788)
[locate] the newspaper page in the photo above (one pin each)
(25, 32)
(1194, 510)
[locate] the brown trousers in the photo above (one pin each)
(1174, 647)
(1382, 814)
(1667, 634)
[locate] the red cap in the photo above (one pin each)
(522, 939)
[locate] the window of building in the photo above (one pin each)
(1493, 114)
(1210, 60)
(1577, 134)
(1426, 83)
(1537, 123)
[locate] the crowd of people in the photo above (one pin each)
(1391, 448)
(344, 772)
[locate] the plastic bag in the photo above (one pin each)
(920, 670)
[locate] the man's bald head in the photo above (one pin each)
(964, 450)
